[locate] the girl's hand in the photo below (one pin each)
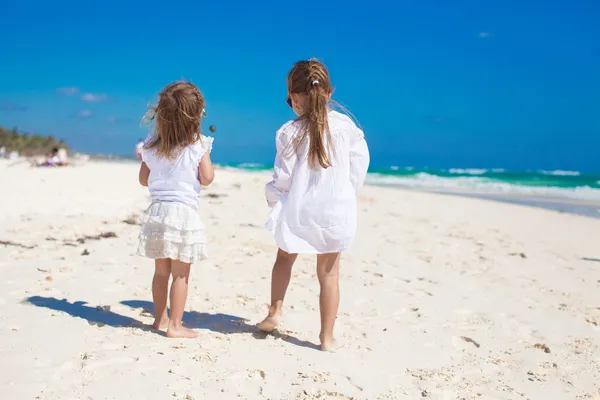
(206, 172)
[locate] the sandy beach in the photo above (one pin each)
(443, 297)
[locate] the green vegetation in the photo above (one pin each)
(28, 145)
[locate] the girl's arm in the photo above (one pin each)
(282, 174)
(206, 172)
(144, 174)
(359, 159)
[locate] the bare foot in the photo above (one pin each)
(329, 344)
(268, 324)
(181, 332)
(160, 324)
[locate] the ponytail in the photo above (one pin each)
(311, 77)
(317, 126)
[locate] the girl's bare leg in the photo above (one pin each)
(160, 292)
(280, 279)
(178, 297)
(328, 272)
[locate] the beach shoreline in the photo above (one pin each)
(586, 208)
(583, 208)
(574, 206)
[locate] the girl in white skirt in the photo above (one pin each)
(321, 163)
(175, 163)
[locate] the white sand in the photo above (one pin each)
(426, 270)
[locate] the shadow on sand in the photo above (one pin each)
(101, 316)
(222, 323)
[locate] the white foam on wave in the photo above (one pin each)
(250, 165)
(468, 171)
(559, 172)
(426, 181)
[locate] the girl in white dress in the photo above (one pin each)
(175, 163)
(321, 163)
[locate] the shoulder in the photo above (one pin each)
(145, 145)
(149, 139)
(343, 122)
(340, 120)
(204, 145)
(287, 131)
(288, 128)
(147, 153)
(201, 147)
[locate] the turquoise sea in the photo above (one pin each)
(566, 191)
(557, 184)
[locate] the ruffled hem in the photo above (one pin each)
(207, 143)
(187, 253)
(200, 148)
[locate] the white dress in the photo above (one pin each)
(172, 227)
(313, 210)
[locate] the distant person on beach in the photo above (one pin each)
(56, 158)
(2, 151)
(139, 147)
(175, 163)
(52, 159)
(321, 163)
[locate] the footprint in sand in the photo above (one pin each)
(594, 320)
(588, 396)
(593, 316)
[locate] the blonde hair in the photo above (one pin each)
(177, 118)
(312, 78)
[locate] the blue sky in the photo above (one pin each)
(433, 83)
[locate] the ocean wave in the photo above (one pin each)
(250, 165)
(398, 168)
(559, 172)
(427, 181)
(468, 171)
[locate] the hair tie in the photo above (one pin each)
(315, 83)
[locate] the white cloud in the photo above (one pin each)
(93, 98)
(484, 35)
(84, 114)
(68, 91)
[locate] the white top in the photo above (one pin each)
(314, 210)
(176, 180)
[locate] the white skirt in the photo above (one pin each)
(172, 230)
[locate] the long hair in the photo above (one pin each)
(177, 117)
(312, 79)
